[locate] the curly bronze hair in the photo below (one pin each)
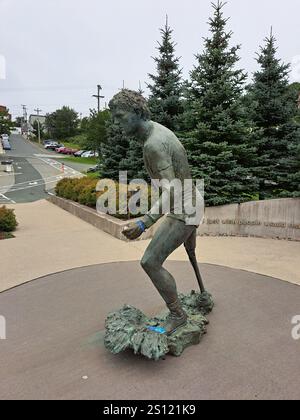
(129, 100)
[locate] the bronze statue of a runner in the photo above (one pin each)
(165, 159)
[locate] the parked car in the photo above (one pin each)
(95, 168)
(48, 144)
(16, 130)
(59, 149)
(89, 154)
(52, 146)
(49, 141)
(5, 137)
(79, 153)
(68, 151)
(6, 144)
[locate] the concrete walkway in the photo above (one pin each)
(55, 324)
(50, 240)
(55, 328)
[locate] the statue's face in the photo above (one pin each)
(129, 121)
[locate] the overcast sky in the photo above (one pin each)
(57, 51)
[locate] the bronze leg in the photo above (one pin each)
(170, 235)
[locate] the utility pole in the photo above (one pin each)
(98, 96)
(24, 113)
(123, 85)
(24, 125)
(140, 88)
(37, 110)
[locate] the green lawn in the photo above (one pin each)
(89, 161)
(71, 145)
(93, 175)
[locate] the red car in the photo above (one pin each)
(60, 149)
(70, 151)
(66, 150)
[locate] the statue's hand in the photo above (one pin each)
(133, 230)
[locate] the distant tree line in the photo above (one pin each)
(6, 124)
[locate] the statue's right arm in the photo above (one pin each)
(155, 213)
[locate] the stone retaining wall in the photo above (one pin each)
(105, 222)
(278, 218)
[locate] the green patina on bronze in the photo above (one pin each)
(165, 159)
(127, 329)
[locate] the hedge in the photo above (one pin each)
(83, 191)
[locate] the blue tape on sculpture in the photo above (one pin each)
(159, 330)
(141, 224)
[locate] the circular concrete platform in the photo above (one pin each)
(54, 349)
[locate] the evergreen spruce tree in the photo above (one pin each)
(122, 153)
(291, 181)
(114, 151)
(217, 128)
(165, 90)
(133, 163)
(274, 111)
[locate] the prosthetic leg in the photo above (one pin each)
(190, 247)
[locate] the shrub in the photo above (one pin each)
(6, 235)
(8, 222)
(83, 191)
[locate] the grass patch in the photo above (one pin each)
(71, 145)
(89, 161)
(76, 142)
(93, 175)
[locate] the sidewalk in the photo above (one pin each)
(50, 240)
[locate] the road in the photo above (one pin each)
(35, 172)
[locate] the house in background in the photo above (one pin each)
(5, 109)
(33, 119)
(39, 118)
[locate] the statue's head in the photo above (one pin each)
(129, 109)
